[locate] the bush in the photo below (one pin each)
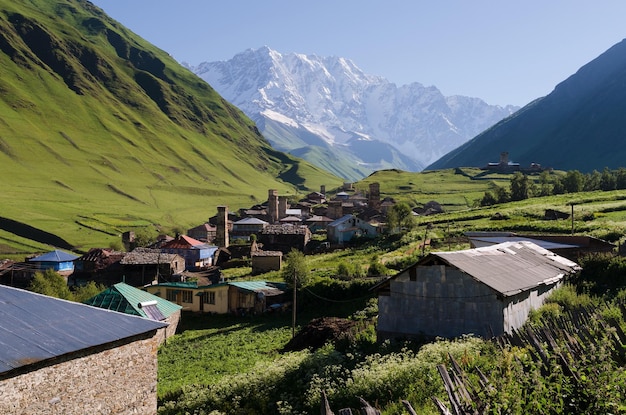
(376, 269)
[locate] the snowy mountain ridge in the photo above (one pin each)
(303, 101)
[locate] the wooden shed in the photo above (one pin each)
(484, 291)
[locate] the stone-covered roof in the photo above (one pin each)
(144, 256)
(285, 229)
(267, 253)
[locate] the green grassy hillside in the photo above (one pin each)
(101, 132)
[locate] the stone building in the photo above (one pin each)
(264, 261)
(61, 357)
(484, 291)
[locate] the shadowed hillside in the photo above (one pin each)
(579, 126)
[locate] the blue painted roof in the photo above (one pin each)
(54, 256)
(36, 327)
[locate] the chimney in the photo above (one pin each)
(272, 205)
(221, 235)
(323, 190)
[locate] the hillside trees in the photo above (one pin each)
(520, 186)
(296, 270)
(52, 284)
(400, 217)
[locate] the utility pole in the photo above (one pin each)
(293, 307)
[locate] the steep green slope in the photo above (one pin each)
(101, 132)
(578, 126)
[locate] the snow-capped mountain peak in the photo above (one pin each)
(330, 102)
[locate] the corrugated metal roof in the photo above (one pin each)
(36, 327)
(54, 256)
(510, 267)
(124, 298)
(481, 241)
(250, 221)
(268, 288)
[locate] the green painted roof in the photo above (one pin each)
(124, 298)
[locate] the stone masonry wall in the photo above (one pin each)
(120, 380)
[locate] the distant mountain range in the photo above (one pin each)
(581, 125)
(330, 113)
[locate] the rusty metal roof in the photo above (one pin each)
(36, 328)
(508, 268)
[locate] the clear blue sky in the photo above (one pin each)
(505, 52)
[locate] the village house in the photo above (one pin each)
(346, 228)
(227, 297)
(124, 298)
(198, 255)
(284, 237)
(144, 265)
(484, 291)
(203, 233)
(242, 229)
(318, 223)
(62, 357)
(265, 261)
(56, 260)
(99, 265)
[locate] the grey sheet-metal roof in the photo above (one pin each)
(481, 241)
(36, 327)
(510, 267)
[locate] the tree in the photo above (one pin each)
(620, 178)
(296, 268)
(592, 181)
(85, 292)
(520, 187)
(400, 216)
(559, 186)
(51, 283)
(502, 195)
(488, 199)
(573, 181)
(545, 189)
(608, 180)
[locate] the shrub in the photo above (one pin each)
(376, 269)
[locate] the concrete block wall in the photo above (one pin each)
(119, 380)
(442, 301)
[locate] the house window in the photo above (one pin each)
(171, 295)
(187, 296)
(209, 297)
